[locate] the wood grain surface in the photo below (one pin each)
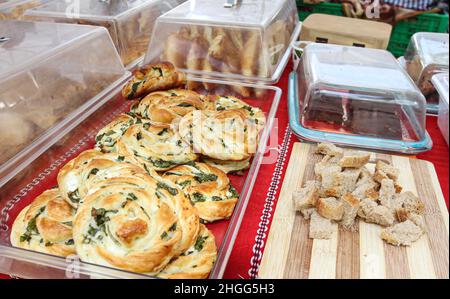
(290, 253)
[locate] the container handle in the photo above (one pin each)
(231, 3)
(4, 39)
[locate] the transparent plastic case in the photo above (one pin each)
(357, 97)
(130, 22)
(48, 74)
(440, 82)
(427, 55)
(14, 9)
(249, 41)
(40, 174)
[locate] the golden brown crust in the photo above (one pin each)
(177, 48)
(45, 225)
(166, 106)
(223, 135)
(196, 58)
(330, 208)
(223, 103)
(197, 261)
(208, 188)
(110, 211)
(153, 77)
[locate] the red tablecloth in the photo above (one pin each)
(247, 252)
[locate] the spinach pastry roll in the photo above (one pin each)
(45, 225)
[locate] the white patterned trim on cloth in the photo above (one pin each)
(261, 233)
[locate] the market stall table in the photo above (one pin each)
(247, 253)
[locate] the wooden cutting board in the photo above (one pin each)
(289, 253)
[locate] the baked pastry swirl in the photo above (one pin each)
(208, 189)
(45, 225)
(153, 77)
(90, 167)
(106, 139)
(127, 228)
(196, 262)
(165, 106)
(223, 103)
(156, 146)
(223, 135)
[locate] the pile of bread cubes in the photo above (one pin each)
(346, 189)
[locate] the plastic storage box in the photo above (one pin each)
(440, 81)
(14, 9)
(248, 41)
(41, 173)
(356, 97)
(328, 29)
(49, 74)
(427, 55)
(129, 22)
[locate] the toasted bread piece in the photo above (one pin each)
(365, 174)
(351, 207)
(336, 184)
(325, 168)
(372, 194)
(371, 212)
(402, 234)
(330, 208)
(387, 194)
(390, 171)
(329, 149)
(306, 197)
(418, 220)
(403, 214)
(366, 187)
(349, 178)
(410, 202)
(354, 159)
(320, 227)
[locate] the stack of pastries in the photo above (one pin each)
(249, 53)
(139, 200)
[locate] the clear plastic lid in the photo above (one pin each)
(14, 9)
(48, 72)
(440, 82)
(247, 41)
(130, 22)
(358, 97)
(427, 55)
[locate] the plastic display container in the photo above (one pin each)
(440, 81)
(249, 41)
(14, 9)
(130, 22)
(427, 55)
(357, 97)
(49, 75)
(328, 29)
(40, 175)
